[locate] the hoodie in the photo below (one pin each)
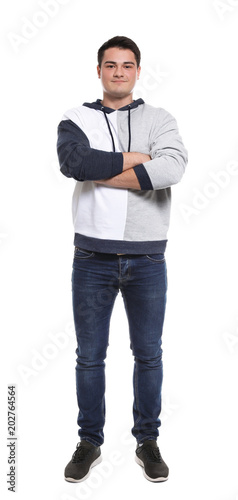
(91, 139)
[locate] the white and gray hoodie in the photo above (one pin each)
(91, 139)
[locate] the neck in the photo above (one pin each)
(116, 103)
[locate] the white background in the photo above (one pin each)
(189, 67)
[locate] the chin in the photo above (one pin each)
(121, 94)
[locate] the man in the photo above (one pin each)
(125, 155)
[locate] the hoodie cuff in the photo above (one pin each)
(143, 177)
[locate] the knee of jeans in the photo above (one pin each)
(90, 356)
(149, 357)
(147, 351)
(149, 362)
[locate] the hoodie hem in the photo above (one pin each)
(119, 246)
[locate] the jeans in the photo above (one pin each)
(96, 281)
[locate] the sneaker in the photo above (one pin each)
(149, 457)
(84, 458)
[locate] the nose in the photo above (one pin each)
(118, 71)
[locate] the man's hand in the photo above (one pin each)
(132, 159)
(125, 180)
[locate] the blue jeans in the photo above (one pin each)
(96, 281)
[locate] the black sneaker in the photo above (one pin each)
(149, 457)
(84, 458)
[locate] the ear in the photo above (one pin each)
(138, 72)
(98, 72)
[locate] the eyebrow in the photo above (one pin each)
(125, 62)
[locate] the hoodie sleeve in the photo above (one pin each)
(81, 162)
(168, 155)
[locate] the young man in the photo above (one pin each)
(125, 155)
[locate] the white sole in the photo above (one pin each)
(96, 462)
(156, 480)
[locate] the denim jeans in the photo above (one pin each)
(96, 281)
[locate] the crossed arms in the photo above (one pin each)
(161, 168)
(127, 179)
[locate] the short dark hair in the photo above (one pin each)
(122, 42)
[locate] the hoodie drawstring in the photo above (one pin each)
(109, 128)
(129, 128)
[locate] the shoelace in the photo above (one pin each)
(80, 454)
(153, 454)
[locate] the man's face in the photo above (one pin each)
(118, 72)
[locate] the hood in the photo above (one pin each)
(98, 105)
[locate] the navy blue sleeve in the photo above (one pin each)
(143, 177)
(78, 160)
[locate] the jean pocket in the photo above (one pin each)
(156, 257)
(82, 254)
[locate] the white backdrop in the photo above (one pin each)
(189, 67)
